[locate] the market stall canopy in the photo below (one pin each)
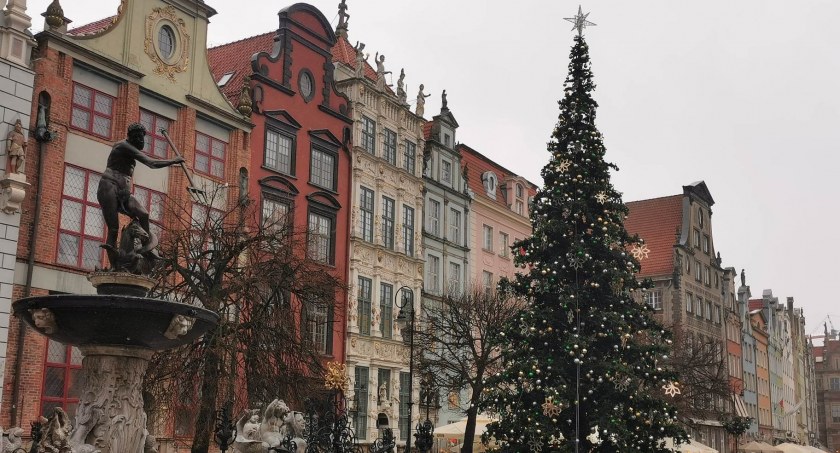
(793, 448)
(758, 447)
(814, 449)
(457, 429)
(693, 447)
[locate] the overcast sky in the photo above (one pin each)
(742, 94)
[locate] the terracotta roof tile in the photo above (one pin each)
(478, 164)
(818, 351)
(93, 27)
(235, 57)
(427, 130)
(756, 304)
(656, 221)
(343, 52)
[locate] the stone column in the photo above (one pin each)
(110, 415)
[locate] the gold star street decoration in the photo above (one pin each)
(336, 377)
(580, 21)
(672, 389)
(640, 253)
(549, 408)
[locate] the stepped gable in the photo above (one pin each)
(230, 58)
(656, 221)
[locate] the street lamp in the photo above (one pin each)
(407, 303)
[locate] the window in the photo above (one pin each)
(700, 217)
(166, 42)
(434, 217)
(383, 384)
(388, 223)
(708, 310)
(156, 144)
(717, 314)
(835, 383)
(699, 306)
(454, 278)
(707, 276)
(489, 181)
(405, 397)
(446, 172)
(408, 230)
(82, 227)
(654, 299)
(279, 152)
(275, 213)
(487, 283)
(698, 271)
(410, 156)
(364, 306)
(433, 273)
(488, 238)
(152, 201)
(321, 238)
(323, 169)
(835, 413)
(520, 191)
(92, 111)
(697, 239)
(360, 391)
(386, 309)
(317, 325)
(706, 247)
(62, 378)
(366, 214)
(224, 79)
(209, 155)
(504, 243)
(389, 147)
(446, 139)
(689, 303)
(369, 135)
(455, 225)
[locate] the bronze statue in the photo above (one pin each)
(114, 196)
(16, 149)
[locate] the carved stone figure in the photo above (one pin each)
(420, 107)
(443, 102)
(342, 15)
(44, 319)
(135, 254)
(55, 436)
(114, 192)
(273, 418)
(380, 71)
(383, 393)
(278, 423)
(361, 59)
(179, 326)
(14, 440)
(16, 149)
(401, 87)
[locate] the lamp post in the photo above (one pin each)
(402, 319)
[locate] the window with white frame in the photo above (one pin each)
(321, 237)
(433, 274)
(368, 135)
(364, 305)
(698, 306)
(366, 207)
(434, 217)
(654, 299)
(408, 230)
(389, 146)
(279, 152)
(388, 222)
(455, 225)
(454, 278)
(689, 302)
(708, 310)
(446, 172)
(323, 167)
(504, 244)
(488, 238)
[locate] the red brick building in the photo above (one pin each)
(300, 162)
(146, 64)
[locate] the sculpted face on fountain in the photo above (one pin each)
(44, 320)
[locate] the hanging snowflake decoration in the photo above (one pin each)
(601, 197)
(535, 446)
(555, 441)
(549, 408)
(564, 165)
(640, 253)
(570, 317)
(622, 384)
(575, 261)
(672, 389)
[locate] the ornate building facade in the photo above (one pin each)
(386, 250)
(144, 64)
(827, 369)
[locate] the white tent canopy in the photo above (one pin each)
(792, 448)
(693, 447)
(456, 430)
(758, 447)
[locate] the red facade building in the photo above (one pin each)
(300, 162)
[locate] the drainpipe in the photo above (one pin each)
(42, 136)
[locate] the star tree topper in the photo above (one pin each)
(580, 21)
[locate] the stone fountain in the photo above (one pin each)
(119, 328)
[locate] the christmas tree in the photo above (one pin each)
(584, 362)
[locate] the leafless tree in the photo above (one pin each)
(276, 307)
(706, 391)
(456, 345)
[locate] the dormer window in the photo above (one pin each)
(446, 139)
(224, 79)
(490, 183)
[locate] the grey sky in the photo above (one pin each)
(744, 95)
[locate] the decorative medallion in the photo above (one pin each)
(336, 377)
(167, 42)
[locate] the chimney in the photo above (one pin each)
(790, 304)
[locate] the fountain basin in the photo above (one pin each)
(115, 320)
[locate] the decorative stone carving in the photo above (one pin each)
(13, 442)
(12, 192)
(179, 326)
(420, 107)
(54, 16)
(277, 424)
(180, 60)
(401, 95)
(44, 320)
(245, 105)
(16, 149)
(361, 62)
(380, 71)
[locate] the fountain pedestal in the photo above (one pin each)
(117, 335)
